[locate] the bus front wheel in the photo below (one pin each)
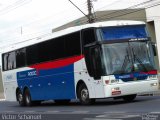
(129, 98)
(83, 94)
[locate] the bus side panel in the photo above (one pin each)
(82, 74)
(59, 82)
(10, 85)
(9, 90)
(46, 84)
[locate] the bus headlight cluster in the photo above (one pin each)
(116, 89)
(111, 81)
(115, 81)
(154, 84)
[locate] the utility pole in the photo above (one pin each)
(91, 18)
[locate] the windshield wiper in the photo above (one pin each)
(139, 61)
(125, 62)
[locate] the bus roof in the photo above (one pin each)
(39, 39)
(96, 25)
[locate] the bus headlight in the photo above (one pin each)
(115, 81)
(154, 84)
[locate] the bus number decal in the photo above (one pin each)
(32, 73)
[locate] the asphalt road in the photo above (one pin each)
(142, 108)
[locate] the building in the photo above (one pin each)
(1, 86)
(130, 14)
(153, 22)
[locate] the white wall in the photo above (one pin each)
(157, 30)
(153, 14)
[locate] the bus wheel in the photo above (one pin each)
(83, 94)
(27, 97)
(20, 98)
(129, 98)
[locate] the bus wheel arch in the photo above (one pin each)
(80, 82)
(83, 93)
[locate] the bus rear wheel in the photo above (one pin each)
(20, 98)
(27, 98)
(83, 94)
(129, 98)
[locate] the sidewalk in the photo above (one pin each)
(1, 96)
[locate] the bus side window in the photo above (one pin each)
(51, 50)
(88, 36)
(93, 61)
(96, 62)
(5, 61)
(72, 44)
(32, 55)
(11, 61)
(21, 57)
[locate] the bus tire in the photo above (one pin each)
(129, 98)
(83, 94)
(27, 98)
(20, 98)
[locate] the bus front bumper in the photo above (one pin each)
(129, 88)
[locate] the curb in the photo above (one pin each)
(2, 99)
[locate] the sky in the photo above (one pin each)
(24, 19)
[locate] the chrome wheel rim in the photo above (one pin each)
(20, 97)
(27, 99)
(84, 94)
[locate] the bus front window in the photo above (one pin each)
(127, 57)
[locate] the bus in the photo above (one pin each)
(111, 59)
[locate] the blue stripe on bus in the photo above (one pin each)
(57, 83)
(135, 75)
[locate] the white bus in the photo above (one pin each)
(113, 59)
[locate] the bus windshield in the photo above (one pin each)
(127, 57)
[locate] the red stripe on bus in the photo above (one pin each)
(152, 72)
(57, 63)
